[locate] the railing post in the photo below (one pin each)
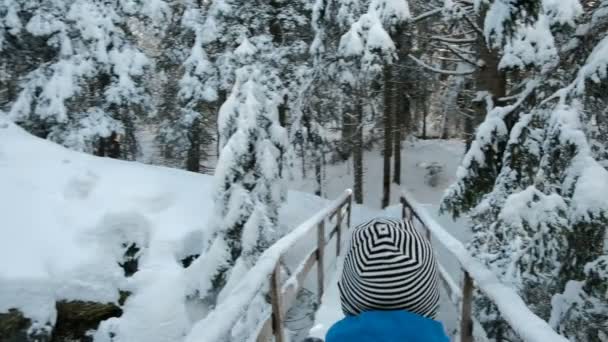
(339, 232)
(466, 322)
(350, 210)
(275, 297)
(320, 253)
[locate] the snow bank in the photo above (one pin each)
(68, 219)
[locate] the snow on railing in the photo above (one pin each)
(218, 325)
(524, 322)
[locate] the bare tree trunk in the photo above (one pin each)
(283, 112)
(388, 135)
(303, 162)
(425, 112)
(403, 110)
(193, 160)
(358, 152)
(318, 177)
(221, 99)
(488, 78)
(348, 129)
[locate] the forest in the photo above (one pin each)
(258, 94)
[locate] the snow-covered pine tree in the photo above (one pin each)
(190, 95)
(254, 47)
(248, 174)
(200, 66)
(74, 72)
(526, 179)
(352, 44)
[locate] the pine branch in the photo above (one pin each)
(462, 56)
(425, 15)
(455, 40)
(439, 71)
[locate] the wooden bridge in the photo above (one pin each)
(266, 279)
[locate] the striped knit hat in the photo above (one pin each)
(389, 266)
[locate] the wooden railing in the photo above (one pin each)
(282, 298)
(265, 279)
(526, 324)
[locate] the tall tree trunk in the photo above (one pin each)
(358, 152)
(348, 129)
(388, 135)
(222, 95)
(469, 131)
(318, 176)
(403, 109)
(488, 77)
(193, 159)
(445, 125)
(283, 112)
(425, 112)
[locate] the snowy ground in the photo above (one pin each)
(414, 157)
(68, 218)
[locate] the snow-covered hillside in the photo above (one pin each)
(69, 219)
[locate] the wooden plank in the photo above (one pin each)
(275, 298)
(350, 211)
(331, 236)
(320, 257)
(466, 323)
(340, 207)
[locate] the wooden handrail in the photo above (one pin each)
(524, 322)
(282, 301)
(218, 325)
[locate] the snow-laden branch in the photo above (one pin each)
(477, 29)
(440, 71)
(455, 40)
(426, 15)
(524, 322)
(462, 56)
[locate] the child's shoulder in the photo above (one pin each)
(387, 326)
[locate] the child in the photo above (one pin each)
(388, 287)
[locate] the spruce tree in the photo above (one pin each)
(76, 73)
(525, 179)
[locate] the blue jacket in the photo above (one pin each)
(386, 326)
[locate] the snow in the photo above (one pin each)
(391, 12)
(495, 19)
(562, 11)
(589, 197)
(531, 45)
(351, 43)
(596, 66)
(245, 49)
(66, 216)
